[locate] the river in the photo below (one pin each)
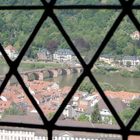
(114, 79)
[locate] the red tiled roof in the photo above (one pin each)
(10, 47)
(134, 138)
(121, 95)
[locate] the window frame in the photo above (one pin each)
(126, 8)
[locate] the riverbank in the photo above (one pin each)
(113, 81)
(28, 65)
(133, 72)
(109, 78)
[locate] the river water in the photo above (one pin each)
(114, 79)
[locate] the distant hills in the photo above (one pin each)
(87, 26)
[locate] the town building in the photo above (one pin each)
(107, 59)
(106, 115)
(135, 35)
(43, 55)
(131, 60)
(4, 103)
(11, 52)
(63, 55)
(29, 134)
(16, 133)
(120, 60)
(69, 112)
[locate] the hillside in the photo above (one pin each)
(87, 28)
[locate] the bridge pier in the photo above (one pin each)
(79, 70)
(59, 72)
(40, 76)
(25, 78)
(55, 73)
(68, 71)
(9, 83)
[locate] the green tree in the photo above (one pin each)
(83, 117)
(86, 86)
(130, 49)
(81, 44)
(128, 64)
(50, 115)
(95, 116)
(127, 114)
(14, 110)
(52, 46)
(86, 28)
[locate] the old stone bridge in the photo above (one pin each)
(41, 74)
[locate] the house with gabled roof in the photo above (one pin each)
(43, 55)
(135, 35)
(105, 113)
(11, 51)
(133, 60)
(63, 55)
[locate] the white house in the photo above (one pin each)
(133, 60)
(106, 113)
(63, 55)
(75, 101)
(94, 102)
(105, 116)
(106, 59)
(15, 133)
(29, 134)
(135, 35)
(11, 51)
(69, 112)
(55, 86)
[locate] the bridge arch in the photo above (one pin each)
(41, 74)
(68, 71)
(74, 70)
(33, 76)
(51, 74)
(64, 72)
(55, 72)
(46, 74)
(59, 71)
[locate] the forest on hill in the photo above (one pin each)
(86, 28)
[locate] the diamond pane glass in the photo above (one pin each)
(87, 28)
(117, 70)
(87, 108)
(137, 2)
(16, 29)
(136, 126)
(125, 41)
(16, 104)
(3, 68)
(52, 70)
(85, 2)
(20, 2)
